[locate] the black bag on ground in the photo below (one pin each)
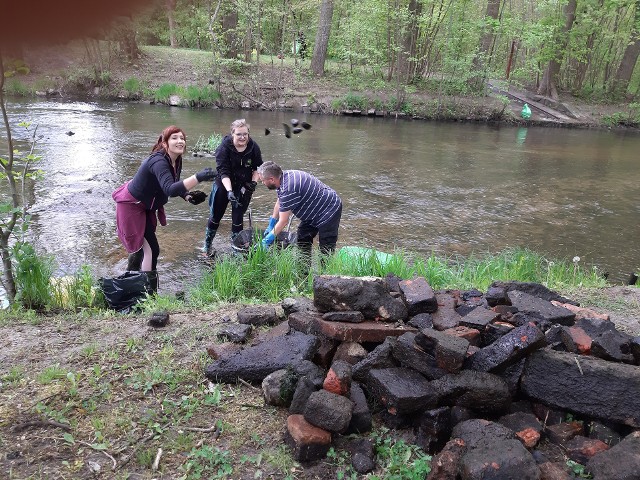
(124, 291)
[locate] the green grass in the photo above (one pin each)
(208, 145)
(271, 275)
(164, 91)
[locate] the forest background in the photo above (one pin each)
(375, 53)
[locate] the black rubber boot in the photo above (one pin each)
(208, 238)
(153, 281)
(135, 261)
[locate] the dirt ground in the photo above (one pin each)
(100, 397)
(68, 70)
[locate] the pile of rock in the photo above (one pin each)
(482, 379)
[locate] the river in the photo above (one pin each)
(424, 187)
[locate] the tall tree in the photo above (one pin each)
(171, 12)
(548, 84)
(322, 37)
(481, 59)
(125, 34)
(407, 55)
(621, 80)
(229, 27)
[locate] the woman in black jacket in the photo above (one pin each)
(140, 201)
(237, 159)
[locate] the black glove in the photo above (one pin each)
(196, 197)
(206, 175)
(251, 186)
(233, 199)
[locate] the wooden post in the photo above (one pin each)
(513, 47)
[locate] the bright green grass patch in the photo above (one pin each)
(208, 145)
(164, 91)
(271, 275)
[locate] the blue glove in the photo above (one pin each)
(268, 240)
(272, 223)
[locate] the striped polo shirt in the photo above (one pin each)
(307, 197)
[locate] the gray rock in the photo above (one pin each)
(379, 357)
(369, 295)
(620, 462)
(347, 316)
(508, 349)
(409, 355)
(304, 389)
(584, 385)
(234, 332)
(257, 316)
(480, 391)
(328, 411)
(418, 296)
(401, 390)
(541, 308)
(255, 363)
(276, 388)
(361, 421)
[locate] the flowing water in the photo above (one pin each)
(424, 187)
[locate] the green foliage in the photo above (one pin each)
(32, 275)
(76, 291)
(399, 460)
(578, 470)
(164, 91)
(13, 67)
(201, 96)
(630, 118)
(15, 87)
(266, 275)
(207, 462)
(132, 85)
(208, 145)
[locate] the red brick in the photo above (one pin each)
(529, 437)
(337, 384)
(554, 471)
(369, 331)
(581, 339)
(563, 432)
(469, 334)
(307, 441)
(581, 449)
(581, 312)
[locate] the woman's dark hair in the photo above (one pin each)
(164, 137)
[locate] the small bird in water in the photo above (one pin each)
(267, 131)
(306, 125)
(294, 122)
(297, 130)
(71, 133)
(287, 130)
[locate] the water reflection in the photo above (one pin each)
(420, 186)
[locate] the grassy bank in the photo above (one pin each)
(90, 392)
(199, 80)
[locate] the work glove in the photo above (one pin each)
(251, 186)
(272, 223)
(206, 175)
(195, 197)
(233, 199)
(268, 240)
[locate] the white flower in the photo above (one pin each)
(576, 259)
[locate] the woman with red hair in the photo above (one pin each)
(140, 201)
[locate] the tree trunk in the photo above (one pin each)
(480, 61)
(621, 80)
(406, 57)
(229, 25)
(322, 38)
(171, 10)
(8, 279)
(126, 36)
(548, 84)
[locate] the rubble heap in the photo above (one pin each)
(481, 379)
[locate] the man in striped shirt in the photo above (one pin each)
(317, 206)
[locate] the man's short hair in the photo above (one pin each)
(270, 169)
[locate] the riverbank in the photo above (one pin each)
(186, 78)
(106, 395)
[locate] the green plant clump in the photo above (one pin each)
(208, 145)
(164, 91)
